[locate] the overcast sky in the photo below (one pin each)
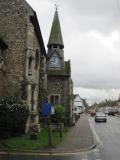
(91, 34)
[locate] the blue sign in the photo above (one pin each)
(46, 109)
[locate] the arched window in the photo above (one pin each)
(55, 99)
(36, 59)
(30, 66)
(52, 99)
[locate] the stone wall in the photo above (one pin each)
(59, 86)
(1, 82)
(13, 31)
(62, 86)
(20, 30)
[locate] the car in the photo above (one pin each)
(100, 117)
(112, 111)
(93, 113)
(106, 111)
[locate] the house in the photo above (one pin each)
(78, 105)
(59, 81)
(22, 56)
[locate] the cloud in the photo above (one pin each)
(97, 95)
(94, 14)
(96, 60)
(91, 34)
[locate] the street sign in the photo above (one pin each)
(47, 110)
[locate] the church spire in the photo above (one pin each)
(56, 35)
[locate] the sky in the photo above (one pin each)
(91, 35)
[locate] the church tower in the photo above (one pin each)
(55, 46)
(59, 82)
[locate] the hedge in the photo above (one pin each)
(13, 117)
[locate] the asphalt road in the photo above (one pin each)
(108, 149)
(109, 134)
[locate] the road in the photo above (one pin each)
(109, 134)
(108, 149)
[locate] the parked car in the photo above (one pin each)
(112, 111)
(100, 117)
(106, 111)
(93, 113)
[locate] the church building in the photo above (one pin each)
(22, 56)
(59, 82)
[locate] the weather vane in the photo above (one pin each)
(56, 7)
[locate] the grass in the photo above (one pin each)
(24, 142)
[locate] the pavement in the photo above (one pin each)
(80, 138)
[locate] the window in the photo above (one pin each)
(55, 99)
(3, 48)
(52, 99)
(75, 109)
(37, 59)
(32, 96)
(30, 66)
(2, 60)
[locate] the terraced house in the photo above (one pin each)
(22, 55)
(60, 85)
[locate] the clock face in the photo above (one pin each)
(54, 61)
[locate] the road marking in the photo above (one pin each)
(96, 135)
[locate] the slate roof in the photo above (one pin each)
(38, 33)
(56, 34)
(63, 72)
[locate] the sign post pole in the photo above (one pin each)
(49, 131)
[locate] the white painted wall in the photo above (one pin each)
(78, 105)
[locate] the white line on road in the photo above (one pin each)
(96, 137)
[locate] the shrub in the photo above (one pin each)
(59, 113)
(13, 116)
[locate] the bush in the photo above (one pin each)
(59, 113)
(13, 117)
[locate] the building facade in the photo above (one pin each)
(79, 106)
(60, 85)
(22, 55)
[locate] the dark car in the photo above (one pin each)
(100, 117)
(93, 113)
(112, 111)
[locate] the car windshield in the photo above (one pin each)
(100, 114)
